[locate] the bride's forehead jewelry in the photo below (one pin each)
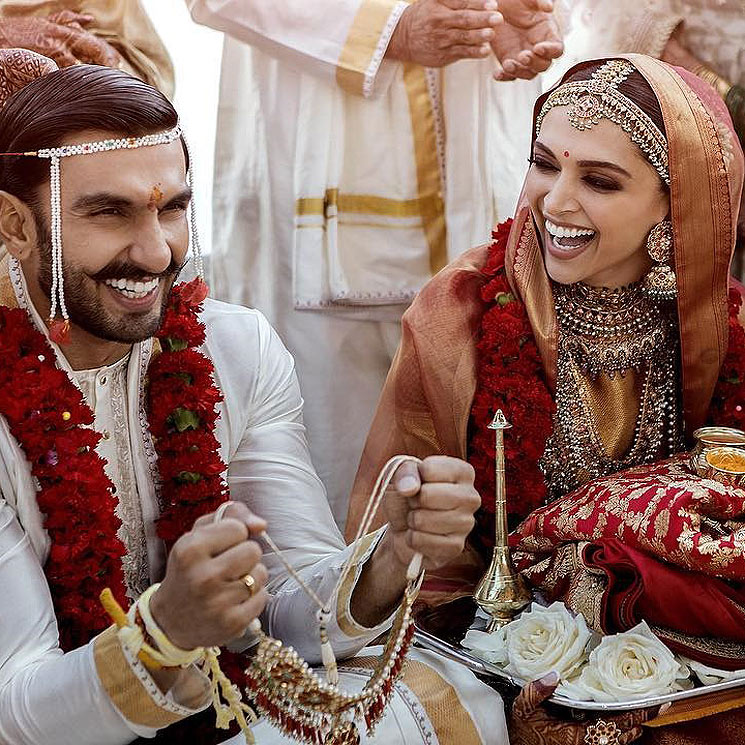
(598, 98)
(59, 328)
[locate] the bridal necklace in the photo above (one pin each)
(610, 332)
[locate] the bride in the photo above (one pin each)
(604, 323)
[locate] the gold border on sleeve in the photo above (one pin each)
(362, 41)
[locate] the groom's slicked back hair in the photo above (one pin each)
(50, 109)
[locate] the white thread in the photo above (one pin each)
(384, 479)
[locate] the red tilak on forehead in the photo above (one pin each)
(566, 153)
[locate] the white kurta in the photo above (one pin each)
(47, 697)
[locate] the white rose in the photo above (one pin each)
(540, 641)
(711, 675)
(628, 666)
(489, 647)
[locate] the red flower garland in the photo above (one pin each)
(511, 377)
(49, 418)
(182, 405)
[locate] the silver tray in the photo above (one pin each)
(481, 667)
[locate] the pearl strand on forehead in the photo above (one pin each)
(196, 246)
(121, 143)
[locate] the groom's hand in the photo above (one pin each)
(430, 509)
(204, 600)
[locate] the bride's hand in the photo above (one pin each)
(531, 723)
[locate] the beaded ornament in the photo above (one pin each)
(59, 329)
(599, 98)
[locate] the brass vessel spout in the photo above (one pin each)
(502, 592)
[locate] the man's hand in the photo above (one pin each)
(435, 33)
(529, 39)
(430, 509)
(61, 36)
(203, 600)
(533, 724)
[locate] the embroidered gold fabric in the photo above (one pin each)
(616, 390)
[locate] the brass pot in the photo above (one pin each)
(725, 465)
(709, 438)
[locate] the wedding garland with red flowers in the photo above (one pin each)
(50, 420)
(511, 377)
(47, 415)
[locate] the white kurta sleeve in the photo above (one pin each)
(341, 40)
(89, 696)
(272, 472)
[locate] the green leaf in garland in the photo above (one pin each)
(504, 298)
(189, 477)
(174, 345)
(183, 419)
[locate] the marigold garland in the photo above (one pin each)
(511, 377)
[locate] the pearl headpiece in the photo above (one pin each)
(55, 155)
(599, 98)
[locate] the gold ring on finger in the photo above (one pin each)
(250, 583)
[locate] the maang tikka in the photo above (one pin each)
(660, 283)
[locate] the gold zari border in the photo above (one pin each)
(344, 619)
(427, 165)
(363, 204)
(451, 721)
(123, 687)
(362, 41)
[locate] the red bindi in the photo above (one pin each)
(566, 153)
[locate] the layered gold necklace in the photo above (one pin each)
(611, 332)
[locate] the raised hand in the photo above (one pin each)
(531, 723)
(430, 509)
(61, 36)
(203, 600)
(528, 40)
(435, 33)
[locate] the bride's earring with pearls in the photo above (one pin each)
(660, 281)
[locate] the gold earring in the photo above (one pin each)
(660, 282)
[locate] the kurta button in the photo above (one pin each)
(103, 380)
(105, 434)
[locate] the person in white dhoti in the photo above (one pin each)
(129, 406)
(353, 161)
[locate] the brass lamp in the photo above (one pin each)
(502, 592)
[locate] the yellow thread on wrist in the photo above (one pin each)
(226, 696)
(119, 617)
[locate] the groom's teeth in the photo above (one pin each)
(131, 289)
